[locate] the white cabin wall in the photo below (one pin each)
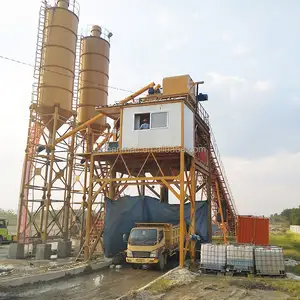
(188, 130)
(152, 138)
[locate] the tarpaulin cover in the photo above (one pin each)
(122, 214)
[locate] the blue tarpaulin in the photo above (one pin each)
(122, 214)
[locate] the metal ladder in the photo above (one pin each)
(76, 74)
(40, 40)
(35, 135)
(95, 236)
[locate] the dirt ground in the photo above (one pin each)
(184, 285)
(217, 289)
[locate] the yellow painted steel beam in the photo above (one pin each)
(170, 188)
(221, 212)
(182, 227)
(138, 178)
(94, 119)
(193, 208)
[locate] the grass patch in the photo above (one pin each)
(161, 285)
(290, 242)
(220, 239)
(292, 287)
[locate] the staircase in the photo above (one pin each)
(220, 176)
(96, 232)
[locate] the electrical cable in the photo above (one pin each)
(58, 73)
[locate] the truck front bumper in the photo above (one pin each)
(144, 261)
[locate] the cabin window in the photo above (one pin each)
(150, 120)
(141, 121)
(159, 120)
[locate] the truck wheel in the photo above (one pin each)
(135, 266)
(161, 262)
(1, 240)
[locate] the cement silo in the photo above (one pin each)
(58, 61)
(93, 78)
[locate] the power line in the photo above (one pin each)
(58, 73)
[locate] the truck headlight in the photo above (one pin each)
(153, 254)
(129, 253)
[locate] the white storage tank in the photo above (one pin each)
(240, 258)
(269, 260)
(213, 257)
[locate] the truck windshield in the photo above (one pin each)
(143, 237)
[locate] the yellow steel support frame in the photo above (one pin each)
(147, 168)
(182, 185)
(45, 206)
(83, 171)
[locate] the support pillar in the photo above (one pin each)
(16, 251)
(208, 191)
(64, 249)
(181, 214)
(52, 136)
(89, 212)
(193, 209)
(43, 251)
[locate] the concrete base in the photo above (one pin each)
(43, 251)
(53, 275)
(64, 249)
(16, 251)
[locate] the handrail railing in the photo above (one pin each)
(222, 170)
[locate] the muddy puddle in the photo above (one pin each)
(105, 285)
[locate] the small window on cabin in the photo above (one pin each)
(159, 120)
(141, 121)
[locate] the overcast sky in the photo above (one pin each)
(247, 52)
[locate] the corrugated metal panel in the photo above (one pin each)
(252, 230)
(295, 228)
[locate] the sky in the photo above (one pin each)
(246, 52)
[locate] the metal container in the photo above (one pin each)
(252, 230)
(176, 85)
(269, 261)
(58, 61)
(93, 78)
(240, 258)
(213, 257)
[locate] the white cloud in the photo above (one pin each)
(163, 19)
(263, 86)
(295, 100)
(226, 37)
(241, 50)
(218, 78)
(265, 185)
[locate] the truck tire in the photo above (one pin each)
(161, 262)
(1, 240)
(135, 266)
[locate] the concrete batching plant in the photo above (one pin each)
(74, 158)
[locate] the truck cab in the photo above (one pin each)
(5, 237)
(151, 244)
